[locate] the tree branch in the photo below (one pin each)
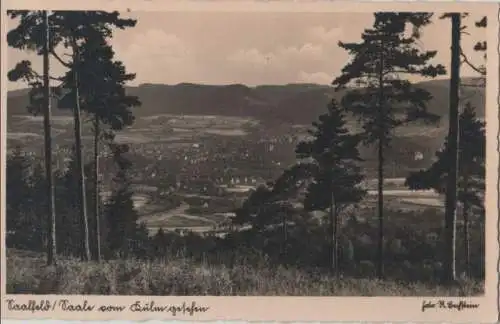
(472, 66)
(66, 64)
(37, 75)
(61, 79)
(473, 85)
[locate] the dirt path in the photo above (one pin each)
(162, 217)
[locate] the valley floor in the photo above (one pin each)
(156, 216)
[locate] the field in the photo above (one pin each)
(172, 129)
(28, 274)
(202, 213)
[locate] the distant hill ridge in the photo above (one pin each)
(294, 103)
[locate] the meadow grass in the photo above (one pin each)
(180, 221)
(28, 274)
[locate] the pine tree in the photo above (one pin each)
(102, 94)
(26, 202)
(40, 100)
(120, 213)
(453, 133)
(17, 191)
(71, 232)
(453, 142)
(37, 201)
(68, 222)
(334, 170)
(453, 145)
(382, 99)
(268, 209)
(284, 189)
(51, 213)
(267, 202)
(252, 210)
(70, 29)
(471, 171)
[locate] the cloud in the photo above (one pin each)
(251, 56)
(157, 56)
(158, 45)
(307, 51)
(281, 57)
(314, 77)
(283, 64)
(224, 48)
(324, 35)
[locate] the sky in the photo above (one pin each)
(249, 48)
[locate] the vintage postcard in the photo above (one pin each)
(256, 161)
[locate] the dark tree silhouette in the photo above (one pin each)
(331, 178)
(471, 171)
(19, 199)
(449, 274)
(453, 134)
(26, 202)
(270, 207)
(335, 173)
(120, 213)
(102, 94)
(51, 213)
(385, 101)
(70, 29)
(70, 232)
(252, 209)
(40, 84)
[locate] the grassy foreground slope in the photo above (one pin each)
(28, 274)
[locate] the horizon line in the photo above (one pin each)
(439, 78)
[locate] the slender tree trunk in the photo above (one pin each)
(51, 212)
(466, 209)
(79, 160)
(335, 237)
(285, 234)
(451, 186)
(97, 198)
(380, 269)
(380, 176)
(331, 238)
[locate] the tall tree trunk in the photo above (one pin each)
(380, 176)
(335, 236)
(331, 237)
(466, 210)
(285, 234)
(380, 189)
(79, 160)
(51, 212)
(97, 198)
(451, 186)
(334, 267)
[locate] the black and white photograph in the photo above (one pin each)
(219, 153)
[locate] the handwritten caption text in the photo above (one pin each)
(66, 305)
